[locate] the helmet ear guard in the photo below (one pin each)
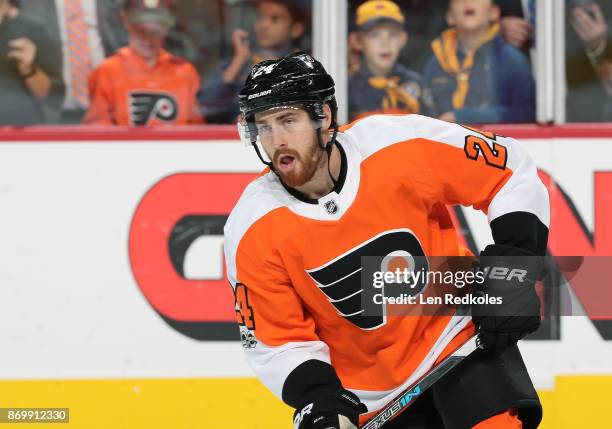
(334, 122)
(317, 112)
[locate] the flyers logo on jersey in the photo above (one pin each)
(340, 279)
(147, 106)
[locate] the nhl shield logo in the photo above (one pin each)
(331, 207)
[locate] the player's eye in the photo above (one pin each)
(264, 129)
(290, 123)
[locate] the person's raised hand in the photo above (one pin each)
(590, 25)
(23, 51)
(240, 42)
(515, 30)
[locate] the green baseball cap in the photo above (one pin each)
(150, 10)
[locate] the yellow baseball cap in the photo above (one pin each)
(373, 12)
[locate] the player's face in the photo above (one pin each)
(472, 15)
(147, 38)
(381, 46)
(274, 26)
(288, 137)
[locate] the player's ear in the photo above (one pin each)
(328, 117)
(297, 29)
(354, 40)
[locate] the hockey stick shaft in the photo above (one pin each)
(407, 397)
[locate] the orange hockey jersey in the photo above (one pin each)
(294, 265)
(124, 90)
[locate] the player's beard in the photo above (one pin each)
(305, 166)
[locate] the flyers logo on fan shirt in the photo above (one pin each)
(298, 262)
(125, 90)
(145, 106)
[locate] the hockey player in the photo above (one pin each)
(294, 242)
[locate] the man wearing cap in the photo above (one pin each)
(381, 84)
(143, 84)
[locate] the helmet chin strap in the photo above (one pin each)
(261, 158)
(328, 149)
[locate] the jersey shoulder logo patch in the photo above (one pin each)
(248, 339)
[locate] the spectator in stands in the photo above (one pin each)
(424, 21)
(201, 24)
(589, 62)
(143, 84)
(474, 75)
(88, 31)
(30, 68)
(517, 23)
(381, 84)
(278, 27)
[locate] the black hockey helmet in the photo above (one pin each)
(296, 79)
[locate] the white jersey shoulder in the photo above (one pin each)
(522, 192)
(259, 198)
(376, 132)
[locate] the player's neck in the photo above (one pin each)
(321, 183)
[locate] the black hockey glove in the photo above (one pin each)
(324, 407)
(510, 274)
